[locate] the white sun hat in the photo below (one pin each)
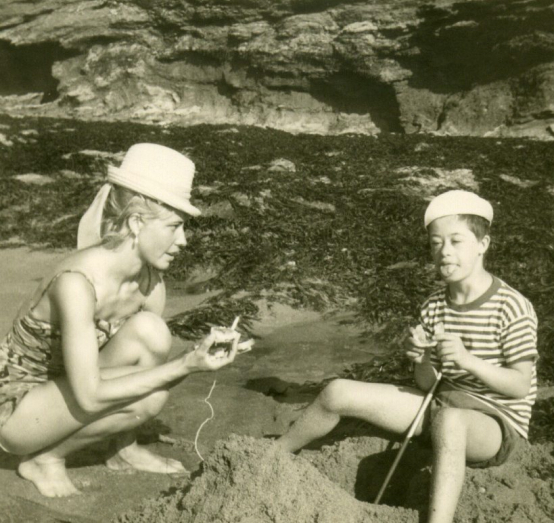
(458, 202)
(152, 170)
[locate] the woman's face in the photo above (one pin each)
(161, 238)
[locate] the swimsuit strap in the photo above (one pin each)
(55, 277)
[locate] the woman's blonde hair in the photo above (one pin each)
(120, 205)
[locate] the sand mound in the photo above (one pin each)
(245, 480)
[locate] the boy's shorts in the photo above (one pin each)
(448, 397)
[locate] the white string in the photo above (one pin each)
(205, 421)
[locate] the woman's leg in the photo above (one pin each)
(46, 468)
(386, 406)
(48, 424)
(458, 435)
(151, 333)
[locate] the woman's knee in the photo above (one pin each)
(152, 332)
(150, 406)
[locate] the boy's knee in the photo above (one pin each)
(332, 397)
(447, 423)
(153, 332)
(150, 406)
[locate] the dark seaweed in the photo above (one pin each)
(342, 230)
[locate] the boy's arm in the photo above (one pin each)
(425, 373)
(513, 380)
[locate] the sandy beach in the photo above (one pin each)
(254, 399)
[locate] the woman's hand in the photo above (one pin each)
(202, 359)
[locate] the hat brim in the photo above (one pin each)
(184, 207)
(190, 209)
(166, 197)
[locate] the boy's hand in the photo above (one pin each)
(417, 344)
(451, 348)
(416, 354)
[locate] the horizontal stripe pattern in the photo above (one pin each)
(501, 331)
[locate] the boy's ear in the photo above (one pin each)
(134, 222)
(484, 244)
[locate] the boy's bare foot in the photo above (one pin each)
(139, 458)
(49, 476)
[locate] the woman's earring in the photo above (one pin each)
(135, 241)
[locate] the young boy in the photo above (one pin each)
(483, 336)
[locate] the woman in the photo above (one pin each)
(87, 356)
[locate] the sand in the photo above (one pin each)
(248, 480)
(244, 478)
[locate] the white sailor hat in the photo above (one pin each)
(458, 202)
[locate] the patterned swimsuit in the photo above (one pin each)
(31, 353)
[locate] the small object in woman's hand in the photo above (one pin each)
(224, 338)
(245, 346)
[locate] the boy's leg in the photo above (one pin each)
(458, 435)
(386, 406)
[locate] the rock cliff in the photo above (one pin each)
(472, 67)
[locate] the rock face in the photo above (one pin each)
(473, 67)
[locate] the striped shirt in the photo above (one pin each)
(499, 327)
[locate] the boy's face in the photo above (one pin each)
(456, 251)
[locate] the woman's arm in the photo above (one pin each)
(74, 301)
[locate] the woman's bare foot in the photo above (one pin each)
(137, 457)
(49, 476)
